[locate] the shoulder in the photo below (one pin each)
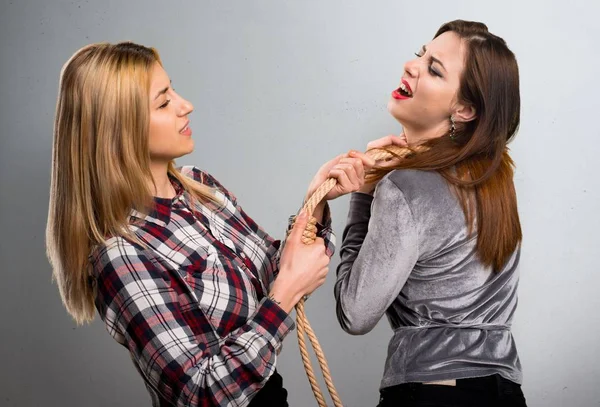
(118, 257)
(199, 175)
(426, 193)
(420, 186)
(417, 182)
(206, 179)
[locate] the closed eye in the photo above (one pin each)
(432, 60)
(433, 71)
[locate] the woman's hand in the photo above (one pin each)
(302, 268)
(349, 171)
(379, 143)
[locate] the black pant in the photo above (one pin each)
(489, 391)
(272, 394)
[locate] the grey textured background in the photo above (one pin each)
(279, 87)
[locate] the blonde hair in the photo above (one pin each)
(100, 161)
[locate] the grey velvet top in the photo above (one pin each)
(406, 253)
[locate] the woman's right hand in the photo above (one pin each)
(390, 140)
(302, 268)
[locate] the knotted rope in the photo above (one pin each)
(309, 237)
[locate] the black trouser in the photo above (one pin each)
(272, 394)
(489, 391)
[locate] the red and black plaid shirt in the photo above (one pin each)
(191, 307)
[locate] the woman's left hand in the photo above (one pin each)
(349, 171)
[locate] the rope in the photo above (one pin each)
(309, 237)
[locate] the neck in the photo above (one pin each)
(415, 136)
(162, 187)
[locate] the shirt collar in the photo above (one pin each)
(160, 212)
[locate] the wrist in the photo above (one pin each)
(284, 297)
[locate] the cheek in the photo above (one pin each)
(433, 91)
(440, 97)
(153, 132)
(160, 126)
(157, 124)
(157, 133)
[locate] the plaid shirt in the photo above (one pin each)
(192, 307)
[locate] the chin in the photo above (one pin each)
(183, 151)
(395, 111)
(189, 147)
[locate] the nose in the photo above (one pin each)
(185, 107)
(411, 68)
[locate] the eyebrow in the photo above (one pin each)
(162, 92)
(434, 59)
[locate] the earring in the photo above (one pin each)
(452, 128)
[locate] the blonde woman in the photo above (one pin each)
(181, 276)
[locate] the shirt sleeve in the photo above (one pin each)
(324, 230)
(172, 342)
(379, 250)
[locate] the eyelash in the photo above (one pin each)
(167, 102)
(431, 70)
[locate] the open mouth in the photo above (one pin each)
(404, 90)
(185, 128)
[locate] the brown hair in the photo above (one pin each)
(100, 161)
(476, 161)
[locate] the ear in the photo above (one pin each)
(465, 113)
